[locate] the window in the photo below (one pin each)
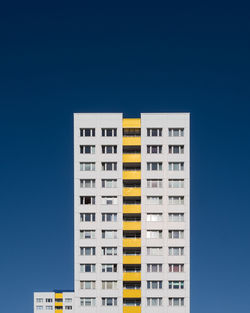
(154, 251)
(87, 234)
(109, 268)
(87, 132)
(109, 183)
(154, 234)
(87, 217)
(39, 307)
(176, 183)
(176, 284)
(109, 284)
(49, 300)
(109, 250)
(154, 268)
(176, 132)
(87, 284)
(87, 200)
(68, 307)
(109, 166)
(68, 300)
(109, 200)
(87, 301)
(154, 166)
(87, 183)
(154, 217)
(109, 301)
(176, 251)
(176, 268)
(176, 200)
(109, 149)
(176, 301)
(87, 149)
(109, 234)
(154, 183)
(87, 166)
(109, 217)
(154, 284)
(87, 250)
(154, 149)
(87, 268)
(176, 166)
(176, 234)
(49, 307)
(154, 132)
(176, 149)
(176, 217)
(131, 302)
(154, 200)
(154, 301)
(39, 300)
(109, 132)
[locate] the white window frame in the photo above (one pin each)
(176, 234)
(154, 284)
(84, 265)
(109, 234)
(109, 183)
(112, 266)
(172, 268)
(154, 234)
(176, 183)
(176, 132)
(154, 251)
(83, 199)
(176, 166)
(109, 301)
(176, 217)
(154, 183)
(109, 166)
(154, 301)
(154, 166)
(109, 284)
(84, 149)
(175, 251)
(109, 251)
(176, 301)
(87, 183)
(109, 200)
(154, 200)
(87, 284)
(109, 149)
(154, 217)
(176, 284)
(176, 200)
(87, 301)
(154, 149)
(109, 217)
(87, 166)
(84, 132)
(87, 251)
(176, 149)
(154, 132)
(151, 268)
(109, 132)
(83, 217)
(84, 234)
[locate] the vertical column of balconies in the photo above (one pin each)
(58, 302)
(131, 215)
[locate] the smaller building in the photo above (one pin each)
(58, 301)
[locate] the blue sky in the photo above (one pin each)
(57, 58)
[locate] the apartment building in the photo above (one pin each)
(131, 216)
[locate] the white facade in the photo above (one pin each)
(121, 165)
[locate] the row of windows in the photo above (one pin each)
(90, 251)
(154, 301)
(150, 234)
(150, 217)
(112, 268)
(151, 166)
(151, 183)
(50, 300)
(111, 200)
(50, 307)
(112, 284)
(112, 149)
(151, 132)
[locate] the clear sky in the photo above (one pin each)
(61, 57)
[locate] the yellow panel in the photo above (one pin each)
(58, 311)
(131, 259)
(131, 242)
(131, 174)
(131, 309)
(131, 141)
(132, 276)
(132, 192)
(58, 295)
(131, 158)
(131, 293)
(131, 208)
(131, 123)
(131, 225)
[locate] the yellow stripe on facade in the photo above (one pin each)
(131, 158)
(131, 208)
(131, 293)
(131, 123)
(131, 242)
(131, 141)
(131, 192)
(131, 309)
(131, 175)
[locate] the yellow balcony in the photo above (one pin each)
(131, 225)
(131, 242)
(132, 192)
(131, 123)
(58, 295)
(131, 158)
(131, 293)
(58, 310)
(131, 208)
(132, 276)
(131, 174)
(131, 259)
(131, 141)
(131, 309)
